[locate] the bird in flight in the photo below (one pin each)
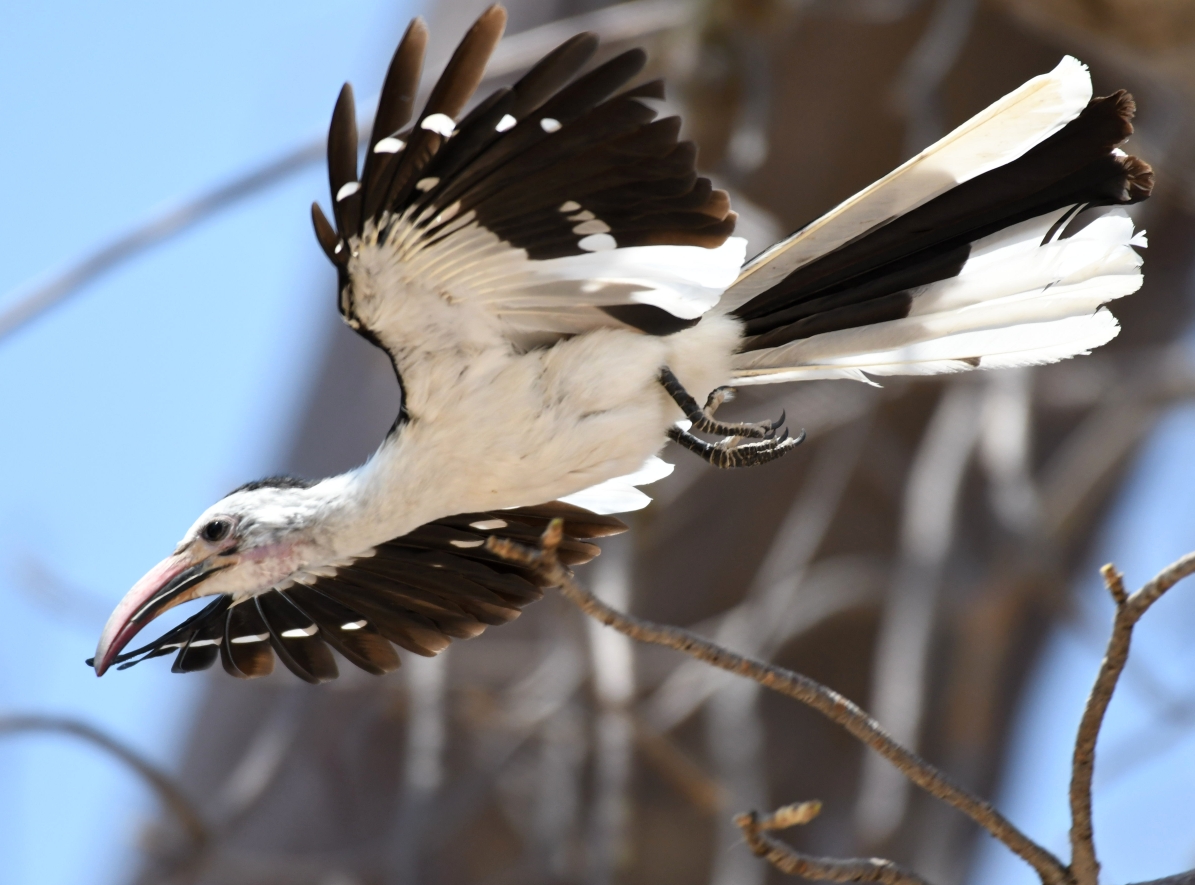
(558, 289)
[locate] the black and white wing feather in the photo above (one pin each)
(419, 592)
(554, 207)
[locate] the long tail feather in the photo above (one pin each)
(1017, 300)
(973, 253)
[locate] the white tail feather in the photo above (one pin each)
(1017, 301)
(1030, 344)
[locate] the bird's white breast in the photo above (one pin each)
(494, 428)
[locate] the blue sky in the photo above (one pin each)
(133, 407)
(1145, 761)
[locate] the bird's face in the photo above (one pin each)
(243, 545)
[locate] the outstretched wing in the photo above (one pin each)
(976, 252)
(553, 207)
(419, 591)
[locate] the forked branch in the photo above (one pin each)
(797, 686)
(1084, 868)
(1129, 609)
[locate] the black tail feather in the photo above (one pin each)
(868, 279)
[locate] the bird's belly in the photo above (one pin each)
(522, 429)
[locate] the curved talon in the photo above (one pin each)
(728, 454)
(731, 451)
(750, 430)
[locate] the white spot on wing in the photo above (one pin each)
(582, 216)
(347, 190)
(507, 122)
(620, 495)
(488, 524)
(300, 632)
(253, 637)
(570, 206)
(198, 643)
(389, 145)
(466, 544)
(548, 124)
(596, 226)
(598, 243)
(441, 124)
(353, 625)
(426, 184)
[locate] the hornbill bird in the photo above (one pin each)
(557, 288)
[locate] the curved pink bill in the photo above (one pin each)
(153, 594)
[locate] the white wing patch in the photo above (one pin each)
(465, 263)
(620, 495)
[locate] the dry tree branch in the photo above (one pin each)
(797, 686)
(1129, 610)
(827, 869)
(1084, 869)
(170, 794)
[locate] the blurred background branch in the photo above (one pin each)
(163, 785)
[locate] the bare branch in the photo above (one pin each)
(826, 869)
(797, 686)
(170, 794)
(1129, 609)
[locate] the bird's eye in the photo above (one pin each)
(216, 530)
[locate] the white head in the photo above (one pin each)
(243, 545)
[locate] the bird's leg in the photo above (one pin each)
(731, 451)
(727, 453)
(703, 419)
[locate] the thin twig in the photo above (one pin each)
(826, 869)
(1129, 610)
(170, 794)
(797, 686)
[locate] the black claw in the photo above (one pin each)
(728, 452)
(728, 456)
